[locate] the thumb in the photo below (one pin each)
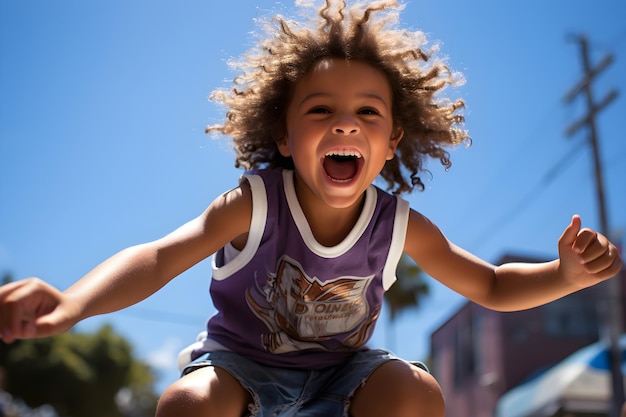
(55, 322)
(570, 233)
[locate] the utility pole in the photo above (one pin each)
(612, 311)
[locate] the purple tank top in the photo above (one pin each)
(285, 300)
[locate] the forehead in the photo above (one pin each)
(336, 75)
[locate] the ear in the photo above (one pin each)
(396, 137)
(283, 146)
(279, 134)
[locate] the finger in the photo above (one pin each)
(8, 287)
(28, 325)
(606, 265)
(14, 317)
(28, 329)
(602, 272)
(51, 324)
(570, 233)
(590, 244)
(18, 308)
(10, 316)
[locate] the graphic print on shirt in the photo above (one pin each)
(300, 311)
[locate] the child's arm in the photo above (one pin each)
(585, 259)
(32, 308)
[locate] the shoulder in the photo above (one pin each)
(230, 213)
(233, 201)
(386, 201)
(269, 175)
(227, 217)
(423, 237)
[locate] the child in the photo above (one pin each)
(305, 245)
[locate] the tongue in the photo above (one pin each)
(340, 169)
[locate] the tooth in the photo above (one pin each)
(344, 153)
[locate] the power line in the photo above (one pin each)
(546, 179)
(163, 316)
(535, 135)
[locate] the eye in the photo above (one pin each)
(319, 110)
(369, 111)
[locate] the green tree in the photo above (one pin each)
(80, 375)
(406, 292)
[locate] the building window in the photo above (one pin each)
(465, 363)
(572, 317)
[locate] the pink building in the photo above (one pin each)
(479, 354)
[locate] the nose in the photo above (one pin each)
(346, 125)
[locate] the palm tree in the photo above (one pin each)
(406, 292)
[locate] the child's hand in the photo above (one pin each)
(31, 308)
(587, 257)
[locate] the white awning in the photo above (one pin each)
(580, 383)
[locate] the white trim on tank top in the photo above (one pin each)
(305, 230)
(257, 226)
(235, 260)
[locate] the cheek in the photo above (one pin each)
(301, 151)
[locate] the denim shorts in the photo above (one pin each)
(286, 392)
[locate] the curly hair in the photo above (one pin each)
(257, 102)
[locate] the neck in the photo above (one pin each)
(329, 225)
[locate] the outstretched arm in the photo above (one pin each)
(585, 259)
(32, 308)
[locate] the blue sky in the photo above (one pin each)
(102, 112)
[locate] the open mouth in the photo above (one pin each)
(342, 166)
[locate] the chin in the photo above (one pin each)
(343, 200)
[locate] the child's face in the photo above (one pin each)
(339, 130)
